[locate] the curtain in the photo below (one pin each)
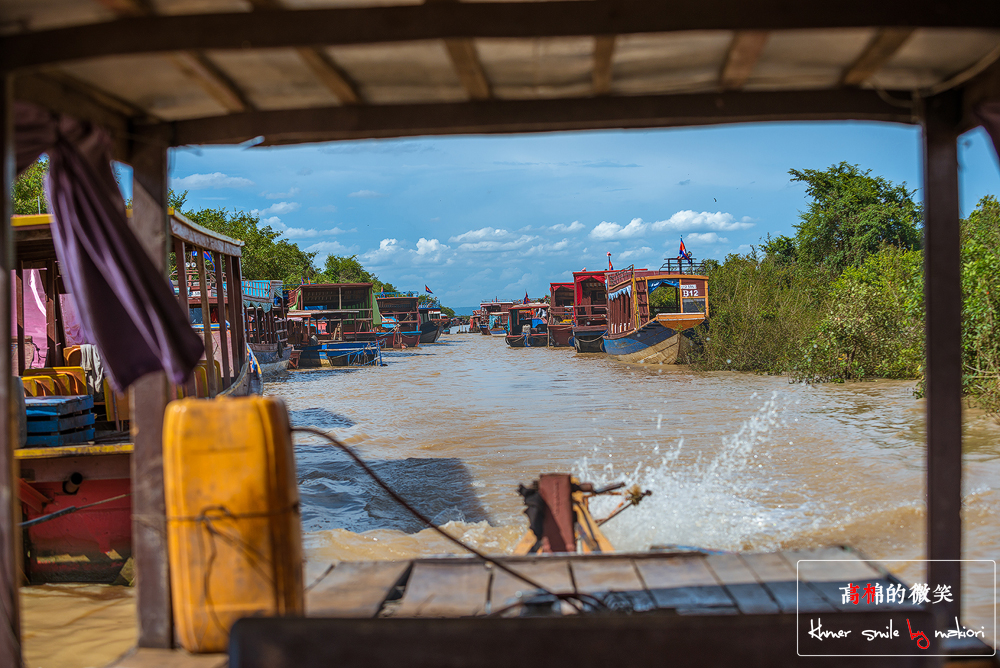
(124, 304)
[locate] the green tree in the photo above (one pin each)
(781, 249)
(853, 215)
(981, 303)
(29, 189)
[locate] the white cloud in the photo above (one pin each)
(706, 238)
(366, 194)
(308, 233)
(214, 180)
(606, 231)
(548, 249)
(686, 221)
(381, 255)
(273, 221)
(482, 234)
(427, 246)
(325, 248)
(575, 226)
(292, 192)
(280, 208)
(497, 246)
(635, 252)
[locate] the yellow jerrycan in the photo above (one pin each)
(233, 525)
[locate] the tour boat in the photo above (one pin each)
(495, 317)
(640, 332)
(528, 326)
(560, 314)
(404, 309)
(590, 311)
(432, 324)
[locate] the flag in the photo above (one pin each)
(526, 300)
(683, 253)
(427, 289)
(610, 268)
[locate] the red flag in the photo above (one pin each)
(610, 268)
(427, 288)
(526, 300)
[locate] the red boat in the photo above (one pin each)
(401, 308)
(590, 311)
(560, 314)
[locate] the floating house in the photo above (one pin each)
(529, 326)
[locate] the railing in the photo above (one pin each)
(619, 276)
(677, 266)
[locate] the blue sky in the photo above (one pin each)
(479, 217)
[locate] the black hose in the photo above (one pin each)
(71, 509)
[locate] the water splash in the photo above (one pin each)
(704, 501)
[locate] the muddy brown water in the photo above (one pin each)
(735, 461)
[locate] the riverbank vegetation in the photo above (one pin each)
(842, 299)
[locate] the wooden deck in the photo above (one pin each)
(362, 613)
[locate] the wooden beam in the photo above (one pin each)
(604, 51)
(10, 510)
(465, 59)
(883, 46)
(943, 297)
(744, 52)
(149, 399)
(213, 80)
(330, 74)
(565, 18)
(129, 7)
(505, 116)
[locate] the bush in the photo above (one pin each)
(981, 303)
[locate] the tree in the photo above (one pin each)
(29, 189)
(853, 215)
(264, 256)
(781, 248)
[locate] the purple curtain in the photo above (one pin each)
(125, 305)
(988, 114)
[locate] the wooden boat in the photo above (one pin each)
(637, 332)
(528, 326)
(341, 353)
(495, 317)
(93, 544)
(560, 314)
(267, 324)
(590, 311)
(335, 324)
(403, 311)
(432, 325)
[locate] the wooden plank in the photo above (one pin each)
(501, 116)
(60, 439)
(206, 323)
(220, 305)
(614, 581)
(778, 577)
(57, 424)
(877, 53)
(49, 281)
(148, 401)
(830, 564)
(45, 406)
(19, 310)
(213, 80)
(604, 51)
(195, 235)
(446, 589)
(164, 658)
(330, 75)
(355, 588)
(469, 69)
(553, 574)
(943, 336)
(369, 25)
(10, 509)
(682, 582)
(744, 52)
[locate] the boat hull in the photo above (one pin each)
(652, 344)
(430, 332)
(560, 335)
(588, 340)
(528, 341)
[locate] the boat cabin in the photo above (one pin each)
(495, 316)
(590, 299)
(332, 312)
(637, 297)
(401, 314)
(534, 316)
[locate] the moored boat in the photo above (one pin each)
(639, 331)
(495, 317)
(528, 326)
(590, 311)
(560, 314)
(432, 324)
(403, 309)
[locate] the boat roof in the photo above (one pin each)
(557, 286)
(531, 306)
(584, 275)
(623, 276)
(291, 71)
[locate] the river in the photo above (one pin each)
(735, 461)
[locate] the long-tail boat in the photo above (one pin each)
(590, 311)
(560, 313)
(638, 331)
(403, 309)
(528, 326)
(495, 317)
(335, 324)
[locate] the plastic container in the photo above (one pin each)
(233, 525)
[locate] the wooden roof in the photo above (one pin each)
(223, 71)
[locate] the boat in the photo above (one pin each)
(528, 326)
(590, 311)
(432, 324)
(334, 324)
(638, 331)
(494, 317)
(403, 311)
(267, 332)
(560, 314)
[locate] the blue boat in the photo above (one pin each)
(637, 334)
(342, 353)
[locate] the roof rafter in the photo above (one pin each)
(879, 51)
(744, 52)
(560, 18)
(504, 116)
(468, 66)
(604, 51)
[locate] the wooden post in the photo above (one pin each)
(50, 313)
(19, 296)
(240, 311)
(206, 323)
(235, 317)
(149, 399)
(10, 542)
(556, 490)
(943, 297)
(220, 304)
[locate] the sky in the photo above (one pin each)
(479, 217)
